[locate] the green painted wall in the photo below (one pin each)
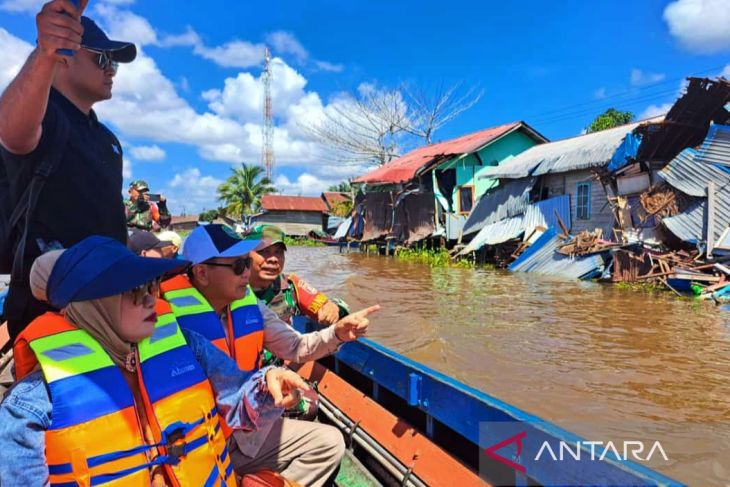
(469, 168)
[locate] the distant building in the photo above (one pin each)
(296, 215)
(184, 222)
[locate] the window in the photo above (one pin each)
(583, 201)
(466, 199)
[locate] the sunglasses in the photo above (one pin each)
(238, 266)
(150, 288)
(103, 59)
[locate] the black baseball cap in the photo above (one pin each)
(95, 38)
(141, 240)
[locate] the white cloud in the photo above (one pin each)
(124, 25)
(192, 191)
(700, 25)
(305, 185)
(726, 72)
(148, 153)
(126, 168)
(187, 38)
(27, 6)
(600, 93)
(234, 54)
(13, 53)
(330, 67)
(655, 110)
(285, 43)
(640, 78)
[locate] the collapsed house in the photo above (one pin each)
(431, 191)
(642, 200)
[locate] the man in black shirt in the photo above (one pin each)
(48, 108)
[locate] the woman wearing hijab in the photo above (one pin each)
(110, 390)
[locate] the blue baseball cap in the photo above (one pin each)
(98, 267)
(95, 38)
(215, 240)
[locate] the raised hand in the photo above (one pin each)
(284, 386)
(59, 27)
(354, 325)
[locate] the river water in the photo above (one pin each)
(603, 362)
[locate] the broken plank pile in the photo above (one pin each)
(586, 243)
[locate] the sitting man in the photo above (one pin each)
(147, 244)
(214, 300)
(287, 294)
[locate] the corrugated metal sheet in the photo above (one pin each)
(281, 202)
(496, 233)
(343, 228)
(541, 258)
(331, 197)
(688, 173)
(407, 166)
(537, 214)
(543, 213)
(333, 223)
(509, 199)
(454, 225)
(581, 152)
(716, 147)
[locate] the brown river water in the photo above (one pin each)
(606, 363)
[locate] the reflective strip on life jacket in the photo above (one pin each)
(245, 323)
(95, 434)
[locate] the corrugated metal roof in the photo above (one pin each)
(537, 214)
(274, 202)
(407, 166)
(716, 147)
(331, 197)
(541, 258)
(581, 152)
(689, 173)
(496, 233)
(343, 228)
(543, 213)
(509, 199)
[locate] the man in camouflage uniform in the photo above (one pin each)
(287, 295)
(141, 212)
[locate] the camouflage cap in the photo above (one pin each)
(139, 185)
(268, 234)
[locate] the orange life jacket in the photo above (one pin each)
(95, 435)
(245, 331)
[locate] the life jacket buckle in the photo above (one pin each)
(176, 451)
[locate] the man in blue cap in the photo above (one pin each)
(215, 300)
(47, 125)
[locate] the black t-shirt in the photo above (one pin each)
(83, 196)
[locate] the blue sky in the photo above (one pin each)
(190, 106)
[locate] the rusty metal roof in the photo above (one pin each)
(410, 165)
(332, 197)
(280, 202)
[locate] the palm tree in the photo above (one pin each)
(243, 190)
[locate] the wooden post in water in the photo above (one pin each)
(710, 218)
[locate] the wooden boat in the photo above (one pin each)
(411, 425)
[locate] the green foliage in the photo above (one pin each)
(301, 242)
(609, 119)
(208, 215)
(343, 187)
(243, 190)
(342, 208)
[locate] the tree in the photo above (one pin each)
(208, 215)
(371, 126)
(343, 187)
(362, 128)
(609, 119)
(429, 111)
(243, 190)
(342, 208)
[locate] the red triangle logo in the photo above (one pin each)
(492, 451)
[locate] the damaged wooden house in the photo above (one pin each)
(431, 191)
